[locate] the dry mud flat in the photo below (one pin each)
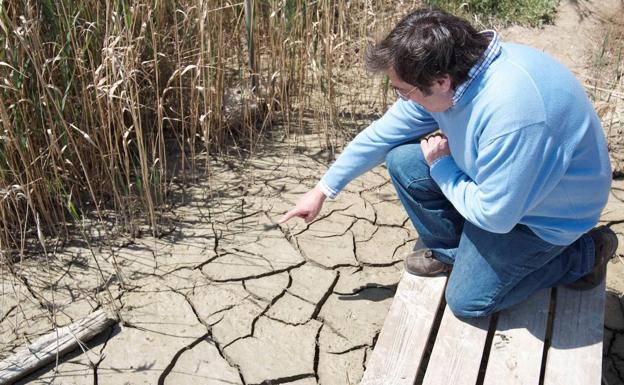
(227, 297)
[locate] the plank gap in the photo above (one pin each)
(549, 332)
(487, 348)
(424, 362)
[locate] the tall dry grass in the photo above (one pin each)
(97, 96)
(605, 85)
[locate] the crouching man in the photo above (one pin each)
(506, 196)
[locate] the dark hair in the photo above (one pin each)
(427, 44)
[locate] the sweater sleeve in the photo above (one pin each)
(403, 122)
(514, 173)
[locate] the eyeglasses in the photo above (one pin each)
(401, 95)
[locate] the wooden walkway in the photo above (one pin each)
(555, 337)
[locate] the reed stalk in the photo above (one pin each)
(103, 103)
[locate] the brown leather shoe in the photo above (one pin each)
(606, 243)
(421, 262)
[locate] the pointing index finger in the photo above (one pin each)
(286, 217)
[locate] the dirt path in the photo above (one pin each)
(229, 298)
(576, 34)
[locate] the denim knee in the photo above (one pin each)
(465, 304)
(406, 164)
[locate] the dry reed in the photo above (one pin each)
(98, 98)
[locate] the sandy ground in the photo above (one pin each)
(228, 297)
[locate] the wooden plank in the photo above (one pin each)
(457, 351)
(404, 335)
(45, 349)
(575, 354)
(518, 343)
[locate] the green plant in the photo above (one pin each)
(531, 12)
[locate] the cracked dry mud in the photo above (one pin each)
(228, 297)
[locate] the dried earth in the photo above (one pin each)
(229, 297)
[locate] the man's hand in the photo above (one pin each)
(434, 147)
(307, 208)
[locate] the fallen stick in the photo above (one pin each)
(58, 342)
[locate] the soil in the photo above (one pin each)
(229, 297)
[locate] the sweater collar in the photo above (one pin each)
(489, 55)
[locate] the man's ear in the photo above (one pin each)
(444, 83)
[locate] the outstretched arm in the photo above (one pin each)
(403, 122)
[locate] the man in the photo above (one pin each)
(506, 196)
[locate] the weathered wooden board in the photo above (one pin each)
(518, 343)
(515, 357)
(575, 354)
(457, 351)
(403, 338)
(44, 350)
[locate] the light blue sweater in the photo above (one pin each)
(526, 147)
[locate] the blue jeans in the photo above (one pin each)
(491, 271)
